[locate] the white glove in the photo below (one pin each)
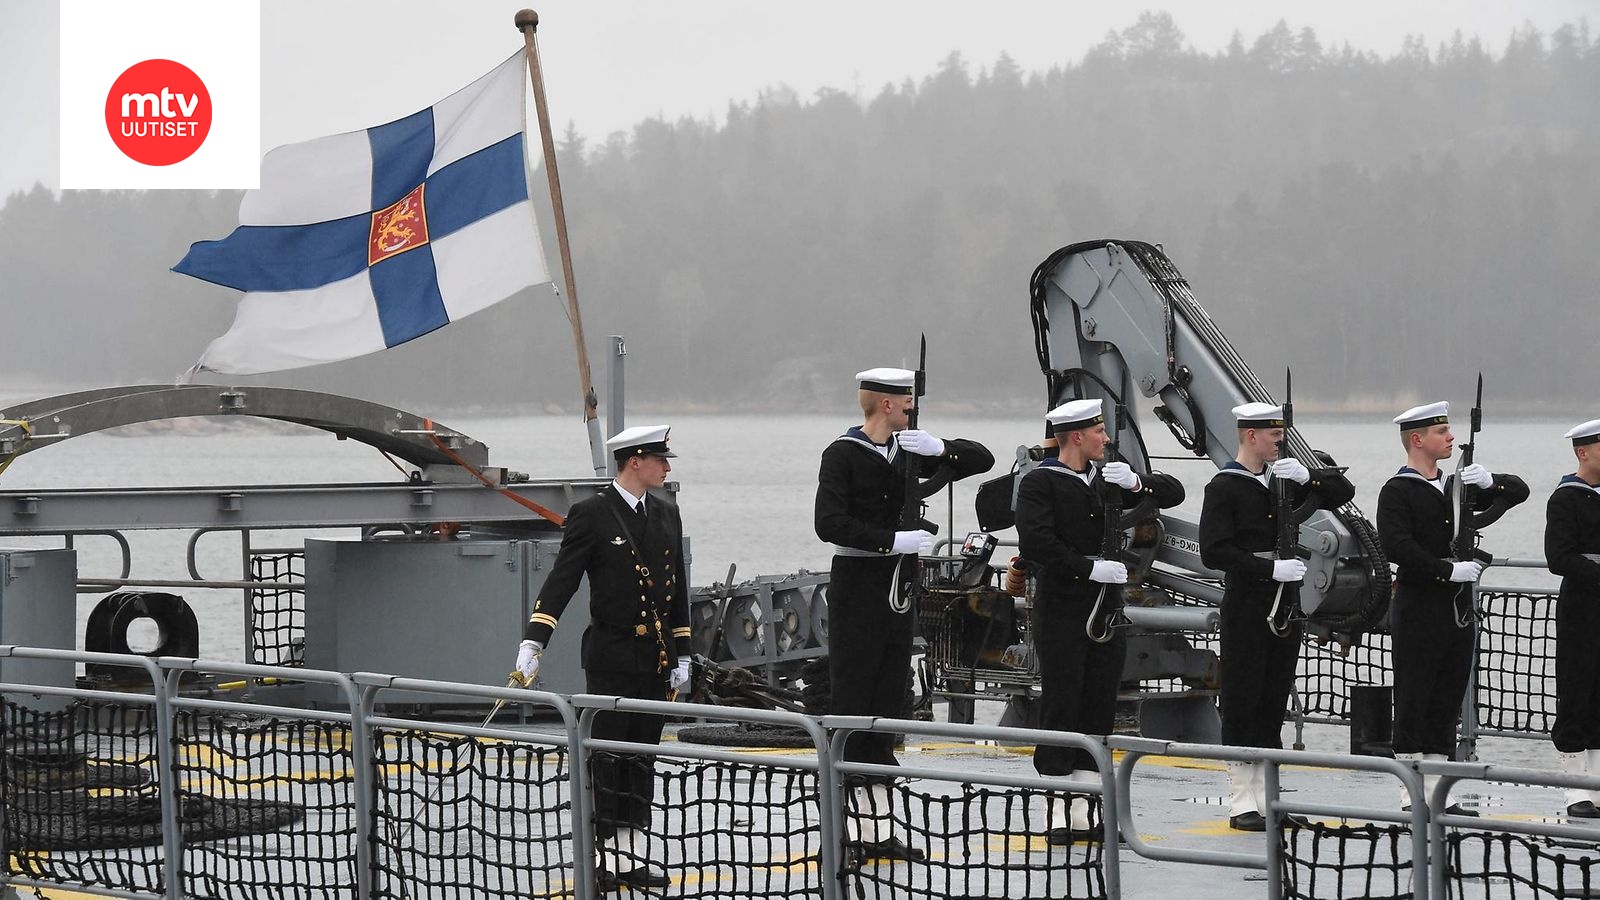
(1107, 572)
(1290, 468)
(914, 440)
(528, 659)
(1121, 475)
(1287, 570)
(1465, 572)
(912, 541)
(678, 678)
(1477, 476)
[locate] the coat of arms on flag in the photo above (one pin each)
(360, 241)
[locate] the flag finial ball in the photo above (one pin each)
(527, 18)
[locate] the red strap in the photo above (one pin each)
(454, 457)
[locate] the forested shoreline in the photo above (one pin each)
(1383, 224)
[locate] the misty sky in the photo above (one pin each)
(327, 67)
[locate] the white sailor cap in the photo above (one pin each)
(1587, 433)
(1258, 415)
(640, 440)
(1075, 414)
(888, 381)
(1424, 416)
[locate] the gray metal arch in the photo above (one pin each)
(397, 432)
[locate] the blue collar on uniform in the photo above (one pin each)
(1234, 465)
(1574, 479)
(1407, 470)
(1054, 462)
(855, 432)
(1235, 468)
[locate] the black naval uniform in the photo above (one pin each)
(1572, 550)
(1059, 528)
(860, 493)
(638, 630)
(1237, 522)
(1432, 655)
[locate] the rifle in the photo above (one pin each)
(1284, 614)
(1464, 547)
(911, 508)
(1107, 614)
(907, 583)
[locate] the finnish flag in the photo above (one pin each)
(360, 241)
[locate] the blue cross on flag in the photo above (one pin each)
(360, 241)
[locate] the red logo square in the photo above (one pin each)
(401, 227)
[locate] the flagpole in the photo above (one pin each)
(528, 23)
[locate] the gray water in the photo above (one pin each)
(746, 483)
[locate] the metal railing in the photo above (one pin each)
(384, 795)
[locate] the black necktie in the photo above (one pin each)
(638, 511)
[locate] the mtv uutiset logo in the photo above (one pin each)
(158, 112)
(171, 98)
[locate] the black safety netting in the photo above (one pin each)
(268, 806)
(977, 842)
(1327, 672)
(1515, 676)
(277, 613)
(84, 802)
(82, 805)
(1519, 867)
(1516, 688)
(467, 817)
(1338, 861)
(719, 829)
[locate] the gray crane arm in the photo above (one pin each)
(1113, 316)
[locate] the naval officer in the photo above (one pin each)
(860, 495)
(1238, 536)
(629, 544)
(1572, 550)
(1416, 524)
(1059, 531)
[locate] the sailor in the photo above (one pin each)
(1416, 523)
(1059, 532)
(860, 496)
(1238, 536)
(1572, 550)
(630, 545)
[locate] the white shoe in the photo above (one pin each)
(1430, 783)
(862, 828)
(1056, 815)
(1078, 815)
(1405, 792)
(624, 852)
(1575, 764)
(1258, 787)
(1241, 788)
